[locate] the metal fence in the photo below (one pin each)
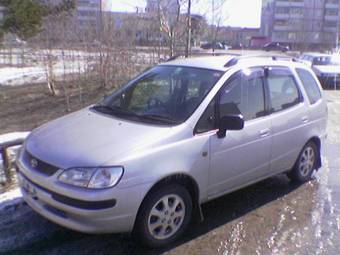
(7, 142)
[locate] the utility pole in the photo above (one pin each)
(213, 25)
(101, 23)
(188, 43)
(337, 36)
(213, 12)
(102, 81)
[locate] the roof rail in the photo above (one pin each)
(203, 54)
(235, 60)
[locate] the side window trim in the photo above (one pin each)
(290, 73)
(214, 99)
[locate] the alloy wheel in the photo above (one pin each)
(166, 216)
(307, 161)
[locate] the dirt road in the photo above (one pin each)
(271, 217)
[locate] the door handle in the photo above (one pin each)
(304, 119)
(264, 132)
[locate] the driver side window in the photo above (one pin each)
(243, 94)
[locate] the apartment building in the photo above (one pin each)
(152, 6)
(312, 24)
(88, 13)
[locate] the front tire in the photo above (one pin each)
(164, 216)
(305, 164)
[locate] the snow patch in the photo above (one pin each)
(16, 76)
(12, 136)
(10, 198)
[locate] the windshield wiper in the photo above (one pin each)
(163, 119)
(118, 111)
(103, 108)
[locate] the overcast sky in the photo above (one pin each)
(240, 13)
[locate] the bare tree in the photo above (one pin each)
(218, 18)
(169, 17)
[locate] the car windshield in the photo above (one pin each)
(165, 94)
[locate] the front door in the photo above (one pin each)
(242, 156)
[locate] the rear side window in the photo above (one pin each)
(283, 90)
(310, 85)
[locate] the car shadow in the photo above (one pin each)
(230, 207)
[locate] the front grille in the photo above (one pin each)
(39, 165)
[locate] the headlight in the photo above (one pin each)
(93, 178)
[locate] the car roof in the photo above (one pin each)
(225, 62)
(211, 62)
(313, 54)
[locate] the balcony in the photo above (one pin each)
(282, 3)
(330, 29)
(331, 17)
(331, 6)
(296, 16)
(297, 4)
(282, 16)
(281, 28)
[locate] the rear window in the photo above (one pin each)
(310, 85)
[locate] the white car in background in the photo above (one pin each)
(325, 66)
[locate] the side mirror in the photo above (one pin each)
(230, 122)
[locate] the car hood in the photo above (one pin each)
(87, 138)
(329, 69)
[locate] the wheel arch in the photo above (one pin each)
(317, 141)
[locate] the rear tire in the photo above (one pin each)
(163, 216)
(305, 164)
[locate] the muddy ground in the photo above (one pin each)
(23, 108)
(271, 217)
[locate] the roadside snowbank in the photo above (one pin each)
(13, 136)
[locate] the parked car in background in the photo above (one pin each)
(237, 46)
(145, 158)
(216, 46)
(274, 46)
(325, 66)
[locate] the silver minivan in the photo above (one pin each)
(187, 131)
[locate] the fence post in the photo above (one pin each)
(6, 163)
(4, 151)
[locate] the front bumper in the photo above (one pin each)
(114, 215)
